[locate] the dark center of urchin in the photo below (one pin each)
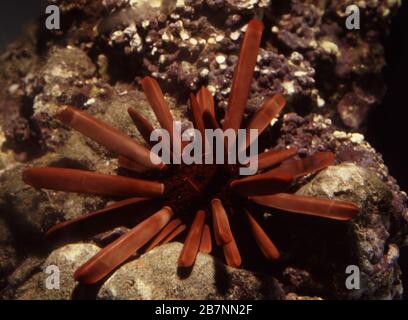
(190, 188)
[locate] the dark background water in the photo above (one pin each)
(387, 125)
(14, 14)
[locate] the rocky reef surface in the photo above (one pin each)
(331, 76)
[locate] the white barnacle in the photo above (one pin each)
(220, 59)
(289, 87)
(184, 35)
(235, 35)
(204, 73)
(357, 138)
(167, 37)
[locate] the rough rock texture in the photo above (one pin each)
(95, 63)
(316, 133)
(375, 255)
(142, 279)
(8, 254)
(65, 77)
(67, 259)
(372, 237)
(154, 276)
(196, 43)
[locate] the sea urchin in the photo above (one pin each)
(187, 190)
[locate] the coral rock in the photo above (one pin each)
(155, 276)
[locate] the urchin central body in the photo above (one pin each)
(196, 197)
(191, 187)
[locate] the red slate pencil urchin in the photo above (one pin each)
(195, 193)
